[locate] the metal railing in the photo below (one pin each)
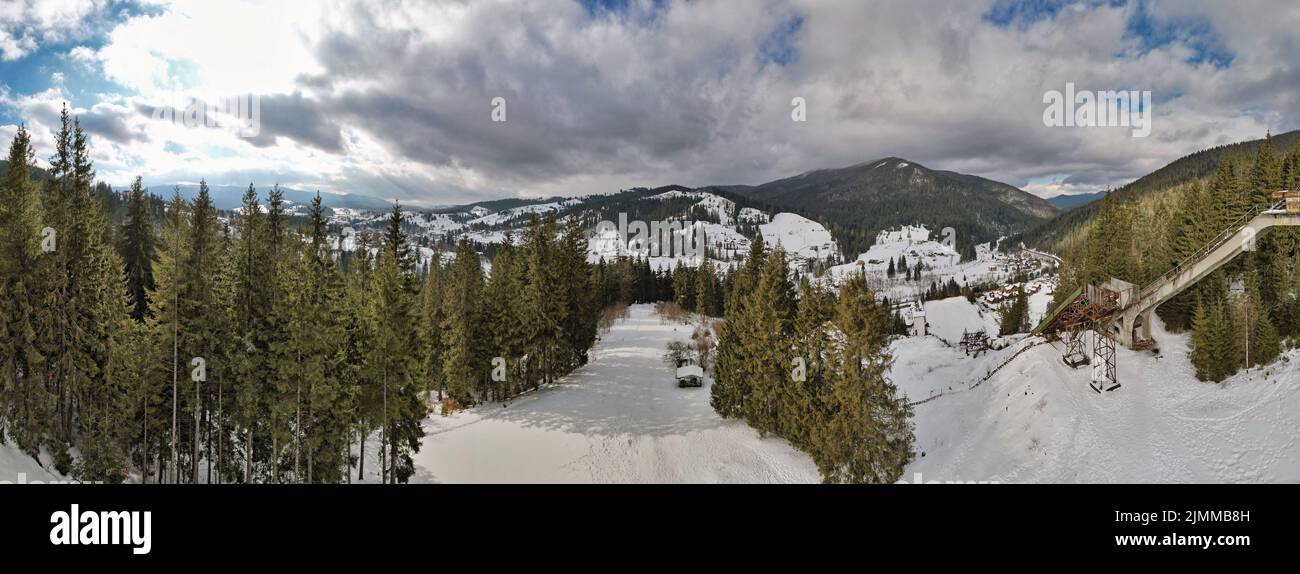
(1213, 244)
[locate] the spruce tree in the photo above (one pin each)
(59, 329)
(23, 394)
(168, 275)
(97, 299)
(731, 387)
(251, 304)
(770, 311)
(543, 313)
(137, 251)
(868, 435)
(394, 332)
(431, 318)
(808, 398)
(1290, 171)
(504, 338)
(463, 366)
(1215, 350)
(200, 317)
(1193, 226)
(133, 370)
(1265, 173)
(1109, 251)
(705, 290)
(683, 287)
(1015, 316)
(581, 305)
(1260, 342)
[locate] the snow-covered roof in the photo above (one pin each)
(690, 371)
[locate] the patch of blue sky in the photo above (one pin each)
(779, 47)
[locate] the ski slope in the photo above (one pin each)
(1036, 420)
(619, 419)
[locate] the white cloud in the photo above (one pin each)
(395, 101)
(229, 47)
(26, 24)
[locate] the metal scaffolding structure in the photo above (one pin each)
(1076, 349)
(972, 344)
(1103, 362)
(1092, 309)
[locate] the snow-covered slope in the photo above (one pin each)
(940, 263)
(720, 207)
(802, 238)
(621, 418)
(18, 468)
(1036, 420)
(507, 215)
(751, 215)
(913, 244)
(949, 318)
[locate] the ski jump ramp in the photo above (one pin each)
(1132, 324)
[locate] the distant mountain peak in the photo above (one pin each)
(870, 196)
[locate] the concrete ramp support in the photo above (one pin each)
(1133, 325)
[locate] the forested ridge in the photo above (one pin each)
(1198, 166)
(856, 203)
(1242, 314)
(181, 346)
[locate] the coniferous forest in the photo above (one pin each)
(1243, 314)
(811, 366)
(163, 341)
(194, 348)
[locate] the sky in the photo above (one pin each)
(395, 98)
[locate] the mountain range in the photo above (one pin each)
(1068, 202)
(859, 201)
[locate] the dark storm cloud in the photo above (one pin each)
(299, 119)
(682, 92)
(113, 123)
(653, 92)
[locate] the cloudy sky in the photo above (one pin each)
(393, 98)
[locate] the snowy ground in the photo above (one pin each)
(619, 419)
(803, 239)
(949, 318)
(941, 263)
(622, 419)
(16, 467)
(1037, 421)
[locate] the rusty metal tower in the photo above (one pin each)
(1088, 309)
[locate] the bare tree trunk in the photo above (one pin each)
(297, 430)
(175, 354)
(383, 434)
(207, 443)
(361, 462)
(248, 459)
(198, 413)
(275, 453)
(176, 317)
(310, 453)
(144, 452)
(221, 435)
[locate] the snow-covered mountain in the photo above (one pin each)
(723, 224)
